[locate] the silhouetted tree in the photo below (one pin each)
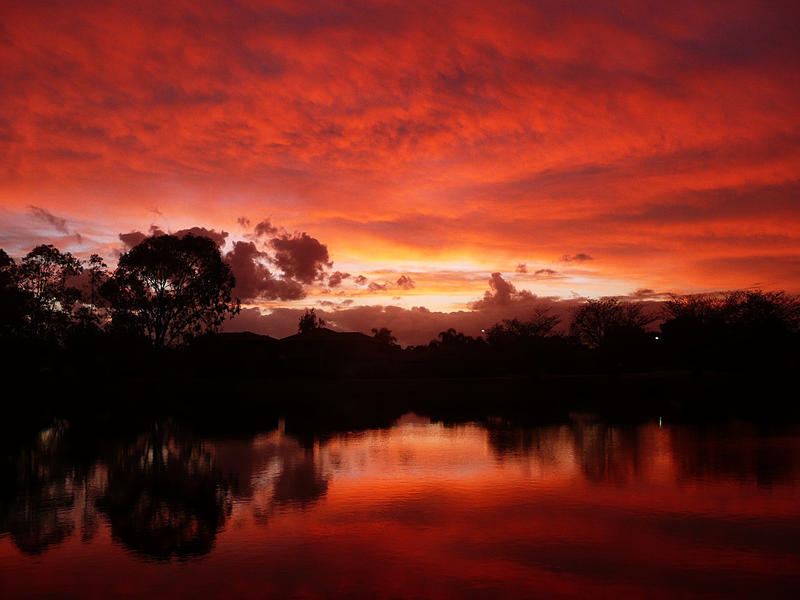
(452, 353)
(7, 265)
(598, 322)
(384, 336)
(165, 497)
(15, 303)
(539, 326)
(37, 491)
(88, 321)
(732, 329)
(309, 321)
(44, 274)
(529, 346)
(451, 337)
(171, 289)
(98, 275)
(763, 313)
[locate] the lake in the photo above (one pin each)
(416, 510)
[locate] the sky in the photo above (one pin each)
(574, 149)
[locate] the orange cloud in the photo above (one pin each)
(663, 142)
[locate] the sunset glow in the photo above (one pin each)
(578, 149)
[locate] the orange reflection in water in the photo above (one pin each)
(418, 510)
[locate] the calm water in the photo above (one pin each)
(419, 510)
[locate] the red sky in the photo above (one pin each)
(442, 141)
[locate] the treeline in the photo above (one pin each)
(162, 308)
(165, 292)
(739, 331)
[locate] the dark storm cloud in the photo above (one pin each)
(264, 228)
(300, 257)
(254, 281)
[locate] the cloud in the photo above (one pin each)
(654, 139)
(770, 271)
(644, 293)
(264, 228)
(300, 257)
(244, 222)
(374, 286)
(502, 293)
(332, 304)
(547, 274)
(254, 281)
(134, 238)
(405, 282)
(361, 280)
(218, 237)
(522, 268)
(580, 257)
(419, 325)
(336, 278)
(58, 223)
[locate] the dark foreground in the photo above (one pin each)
(650, 485)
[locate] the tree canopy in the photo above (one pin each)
(309, 321)
(598, 321)
(539, 326)
(384, 336)
(171, 289)
(44, 276)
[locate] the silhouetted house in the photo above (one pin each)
(323, 352)
(240, 353)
